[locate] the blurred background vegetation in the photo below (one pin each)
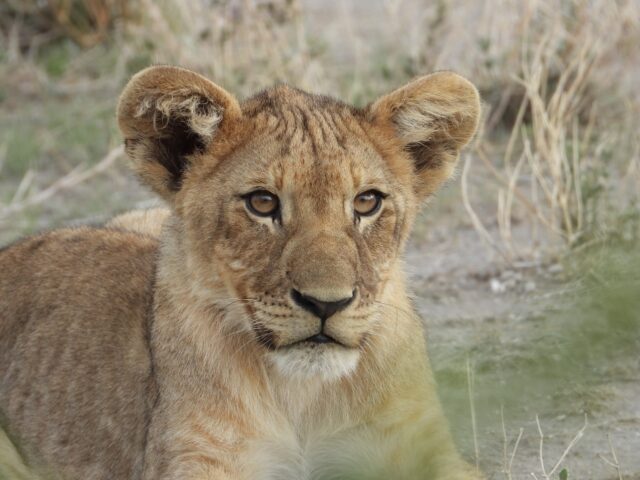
(526, 268)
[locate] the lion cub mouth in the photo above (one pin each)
(317, 339)
(267, 338)
(318, 356)
(321, 338)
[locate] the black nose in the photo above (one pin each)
(320, 308)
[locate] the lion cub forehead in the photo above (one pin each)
(304, 168)
(296, 134)
(297, 119)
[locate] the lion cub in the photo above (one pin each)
(266, 332)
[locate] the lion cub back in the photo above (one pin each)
(75, 369)
(147, 222)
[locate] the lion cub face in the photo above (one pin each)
(295, 207)
(305, 221)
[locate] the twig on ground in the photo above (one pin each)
(515, 449)
(613, 463)
(547, 475)
(71, 179)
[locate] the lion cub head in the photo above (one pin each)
(293, 207)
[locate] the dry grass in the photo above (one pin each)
(86, 22)
(21, 200)
(544, 473)
(613, 461)
(553, 170)
(560, 141)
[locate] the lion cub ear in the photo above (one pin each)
(168, 116)
(433, 117)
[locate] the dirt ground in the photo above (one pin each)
(511, 325)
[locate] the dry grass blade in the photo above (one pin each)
(507, 464)
(475, 219)
(472, 408)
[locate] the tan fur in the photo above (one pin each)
(122, 357)
(147, 222)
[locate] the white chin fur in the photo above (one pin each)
(326, 362)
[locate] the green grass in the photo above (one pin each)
(56, 58)
(57, 134)
(560, 360)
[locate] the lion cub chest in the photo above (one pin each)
(289, 455)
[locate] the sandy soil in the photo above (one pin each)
(507, 323)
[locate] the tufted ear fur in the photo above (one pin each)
(433, 117)
(167, 116)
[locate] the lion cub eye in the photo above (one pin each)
(368, 203)
(262, 203)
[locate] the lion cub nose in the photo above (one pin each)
(320, 308)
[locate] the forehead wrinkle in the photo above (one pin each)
(302, 121)
(338, 134)
(300, 117)
(276, 127)
(315, 133)
(322, 129)
(295, 131)
(321, 136)
(278, 171)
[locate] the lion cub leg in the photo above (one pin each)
(186, 442)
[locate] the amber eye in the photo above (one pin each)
(262, 203)
(367, 203)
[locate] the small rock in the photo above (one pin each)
(497, 286)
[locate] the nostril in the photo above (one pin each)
(320, 308)
(305, 302)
